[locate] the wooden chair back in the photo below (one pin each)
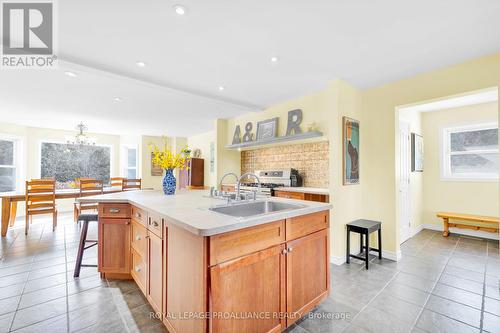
(131, 184)
(116, 182)
(90, 187)
(40, 196)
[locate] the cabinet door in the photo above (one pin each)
(308, 273)
(251, 284)
(114, 246)
(155, 272)
(138, 240)
(138, 270)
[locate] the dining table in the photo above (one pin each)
(10, 200)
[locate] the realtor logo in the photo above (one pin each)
(28, 35)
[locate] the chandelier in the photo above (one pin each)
(81, 138)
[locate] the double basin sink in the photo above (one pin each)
(255, 208)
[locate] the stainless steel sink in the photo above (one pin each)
(254, 208)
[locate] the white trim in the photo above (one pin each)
(466, 232)
(394, 256)
(445, 153)
(416, 229)
(337, 260)
(385, 254)
(124, 159)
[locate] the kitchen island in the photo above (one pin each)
(206, 271)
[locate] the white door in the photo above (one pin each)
(404, 182)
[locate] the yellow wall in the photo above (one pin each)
(455, 196)
(202, 141)
(149, 181)
(379, 139)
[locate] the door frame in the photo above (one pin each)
(404, 168)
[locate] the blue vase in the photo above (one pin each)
(169, 182)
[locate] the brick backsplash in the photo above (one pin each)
(311, 159)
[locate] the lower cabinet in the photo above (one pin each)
(253, 284)
(154, 286)
(307, 272)
(114, 246)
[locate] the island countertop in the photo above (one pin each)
(191, 209)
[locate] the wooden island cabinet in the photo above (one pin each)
(256, 279)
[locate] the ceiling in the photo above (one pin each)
(229, 43)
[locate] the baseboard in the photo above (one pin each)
(466, 232)
(337, 260)
(416, 230)
(385, 254)
(391, 255)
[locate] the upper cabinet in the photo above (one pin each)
(194, 174)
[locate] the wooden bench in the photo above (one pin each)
(490, 221)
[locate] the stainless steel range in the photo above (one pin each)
(271, 179)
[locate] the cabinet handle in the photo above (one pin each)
(114, 210)
(284, 251)
(138, 237)
(290, 249)
(137, 268)
(155, 224)
(138, 215)
(146, 237)
(127, 223)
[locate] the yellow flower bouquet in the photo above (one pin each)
(169, 160)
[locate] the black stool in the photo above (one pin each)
(364, 228)
(86, 219)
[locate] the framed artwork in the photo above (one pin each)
(417, 153)
(212, 157)
(155, 170)
(267, 129)
(350, 153)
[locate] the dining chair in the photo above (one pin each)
(40, 199)
(116, 182)
(88, 187)
(131, 184)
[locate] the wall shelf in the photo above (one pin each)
(307, 136)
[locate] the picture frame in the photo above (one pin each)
(155, 170)
(350, 151)
(417, 153)
(267, 129)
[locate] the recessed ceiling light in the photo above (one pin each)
(140, 64)
(118, 99)
(180, 10)
(274, 59)
(221, 88)
(71, 74)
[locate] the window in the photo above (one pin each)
(7, 165)
(129, 162)
(66, 162)
(470, 152)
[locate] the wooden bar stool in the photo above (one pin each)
(86, 219)
(364, 228)
(88, 187)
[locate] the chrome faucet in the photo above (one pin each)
(225, 175)
(238, 198)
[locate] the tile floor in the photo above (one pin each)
(447, 285)
(39, 294)
(441, 285)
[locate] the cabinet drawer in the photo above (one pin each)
(290, 195)
(139, 240)
(155, 224)
(140, 215)
(306, 224)
(112, 210)
(139, 270)
(235, 244)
